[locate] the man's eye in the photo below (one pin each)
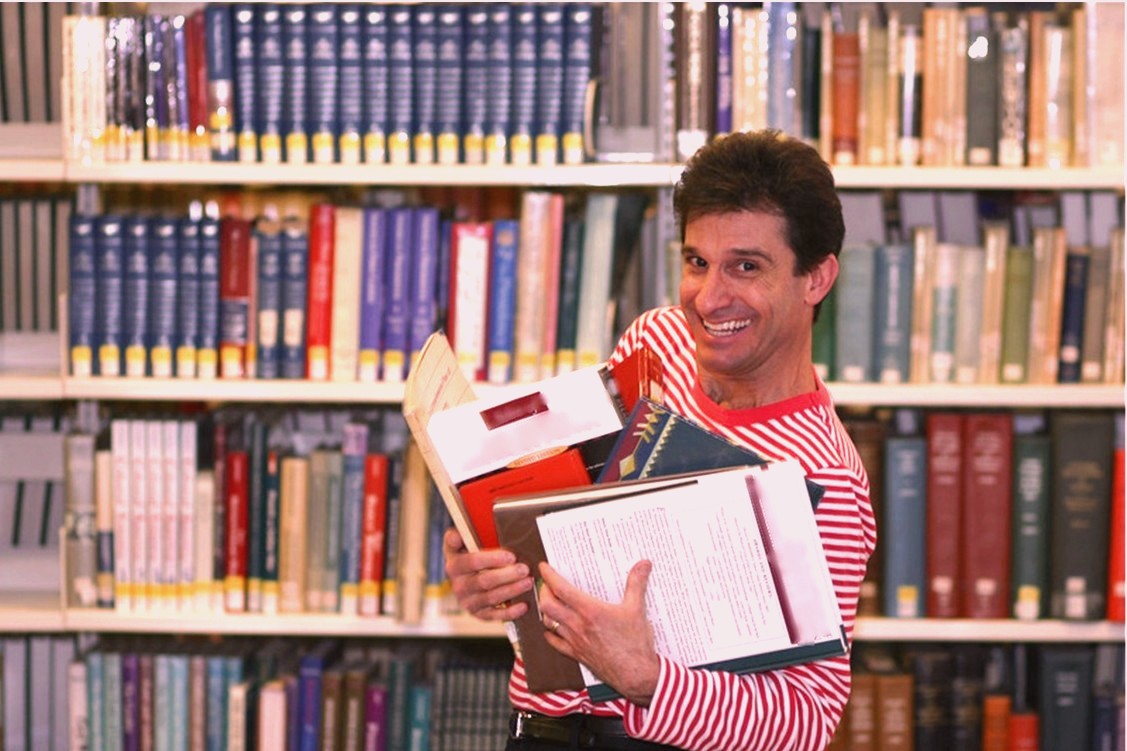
(748, 266)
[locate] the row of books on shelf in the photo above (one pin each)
(965, 288)
(31, 66)
(273, 695)
(897, 83)
(989, 697)
(33, 255)
(349, 292)
(333, 83)
(989, 514)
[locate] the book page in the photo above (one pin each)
(711, 595)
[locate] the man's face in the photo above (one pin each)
(749, 312)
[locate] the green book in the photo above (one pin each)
(823, 349)
(1015, 314)
(854, 320)
(1065, 695)
(1029, 557)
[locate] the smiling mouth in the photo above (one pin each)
(726, 328)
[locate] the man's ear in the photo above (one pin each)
(820, 280)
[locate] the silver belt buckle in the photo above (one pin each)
(516, 724)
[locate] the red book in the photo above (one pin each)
(944, 503)
(319, 305)
(373, 528)
(237, 503)
(996, 711)
(467, 309)
(553, 242)
(846, 98)
(986, 515)
(563, 470)
(1115, 549)
(639, 374)
(1025, 732)
(236, 304)
(195, 54)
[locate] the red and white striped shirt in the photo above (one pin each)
(796, 707)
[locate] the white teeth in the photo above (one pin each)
(727, 327)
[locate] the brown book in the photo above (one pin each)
(846, 96)
(331, 736)
(862, 712)
(986, 517)
(996, 709)
(1038, 104)
(868, 437)
(944, 512)
(895, 722)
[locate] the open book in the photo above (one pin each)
(739, 583)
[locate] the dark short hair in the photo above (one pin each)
(765, 170)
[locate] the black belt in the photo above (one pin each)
(577, 730)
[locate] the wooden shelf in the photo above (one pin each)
(31, 612)
(978, 396)
(30, 386)
(230, 390)
(985, 630)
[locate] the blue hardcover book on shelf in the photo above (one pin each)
(311, 669)
(295, 128)
(475, 79)
(269, 302)
(374, 31)
(220, 52)
(450, 45)
(892, 314)
(114, 688)
(784, 30)
(131, 701)
(324, 80)
(207, 356)
(83, 295)
(350, 99)
(905, 515)
(179, 685)
(95, 699)
(499, 77)
(524, 65)
(724, 68)
(549, 81)
(1072, 313)
(156, 89)
(424, 277)
(246, 105)
(502, 300)
(188, 278)
(400, 83)
(135, 312)
(216, 714)
(109, 291)
(442, 273)
(578, 52)
(270, 80)
(176, 57)
(354, 447)
(295, 264)
(424, 31)
(854, 322)
(397, 288)
(164, 287)
(372, 269)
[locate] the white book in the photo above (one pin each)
(237, 715)
(469, 281)
(155, 511)
(344, 341)
(271, 723)
(15, 693)
(968, 313)
(170, 514)
(140, 510)
(104, 525)
(186, 523)
(996, 240)
(122, 468)
(532, 292)
(205, 592)
(593, 329)
(78, 724)
(80, 520)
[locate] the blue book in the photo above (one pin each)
(524, 64)
(450, 45)
(420, 702)
(295, 119)
(905, 499)
(161, 703)
(311, 669)
(246, 85)
(854, 321)
(502, 300)
(156, 89)
(257, 431)
(892, 314)
(295, 263)
(424, 32)
(372, 264)
(188, 278)
(176, 58)
(549, 81)
(499, 87)
(135, 312)
(475, 82)
(1072, 313)
(131, 701)
(374, 30)
(442, 273)
(178, 681)
(397, 292)
(434, 595)
(354, 448)
(220, 81)
(109, 291)
(400, 83)
(272, 488)
(95, 700)
(784, 30)
(389, 590)
(83, 295)
(207, 355)
(270, 81)
(269, 299)
(578, 55)
(400, 679)
(723, 68)
(350, 99)
(424, 277)
(114, 729)
(164, 287)
(324, 79)
(216, 732)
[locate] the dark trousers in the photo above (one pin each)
(577, 732)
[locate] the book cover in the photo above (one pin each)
(422, 302)
(332, 508)
(136, 284)
(905, 518)
(1046, 304)
(571, 262)
(268, 303)
(247, 108)
(578, 62)
(969, 312)
(550, 48)
(535, 248)
(846, 80)
(371, 305)
(996, 240)
(499, 86)
(944, 431)
(502, 301)
(1029, 577)
(374, 78)
(1064, 695)
(256, 513)
(236, 499)
(932, 673)
(592, 328)
(293, 298)
(1015, 314)
(293, 500)
(450, 48)
(945, 294)
(986, 518)
(321, 55)
(104, 527)
(802, 623)
(397, 292)
(236, 297)
(350, 79)
(270, 80)
(344, 328)
(892, 315)
(855, 308)
(424, 79)
(220, 65)
(354, 450)
(1013, 88)
(78, 464)
(468, 309)
(82, 299)
(207, 356)
(319, 287)
(295, 60)
(188, 315)
(525, 55)
(401, 84)
(373, 537)
(981, 87)
(475, 92)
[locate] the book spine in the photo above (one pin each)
(188, 297)
(892, 315)
(169, 579)
(156, 88)
(401, 84)
(466, 319)
(344, 336)
(270, 81)
(389, 589)
(294, 287)
(195, 55)
(374, 23)
(318, 308)
(78, 464)
(450, 48)
(131, 702)
(499, 74)
(255, 515)
(847, 89)
(295, 118)
(120, 445)
(1029, 569)
(324, 80)
(330, 573)
(987, 536)
(981, 87)
(969, 310)
(246, 91)
(271, 512)
(424, 33)
(293, 500)
(236, 499)
(372, 293)
(83, 314)
(164, 289)
(207, 356)
(550, 48)
(220, 82)
(1013, 51)
(269, 299)
(235, 296)
(475, 82)
(854, 323)
(525, 55)
(373, 541)
(502, 300)
(1076, 283)
(186, 480)
(350, 101)
(944, 505)
(136, 286)
(905, 494)
(423, 305)
(397, 281)
(104, 528)
(375, 716)
(354, 448)
(579, 22)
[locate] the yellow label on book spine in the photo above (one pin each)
(424, 148)
(135, 361)
(248, 147)
(207, 363)
(81, 361)
(231, 361)
(324, 148)
(109, 360)
(270, 144)
(162, 362)
(297, 146)
(350, 148)
(473, 147)
(521, 148)
(496, 149)
(399, 148)
(448, 148)
(318, 358)
(547, 146)
(375, 148)
(573, 152)
(368, 365)
(186, 361)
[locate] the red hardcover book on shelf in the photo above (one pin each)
(196, 59)
(236, 290)
(1115, 550)
(1025, 731)
(319, 305)
(467, 312)
(237, 503)
(986, 515)
(944, 506)
(373, 532)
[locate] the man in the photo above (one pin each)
(762, 227)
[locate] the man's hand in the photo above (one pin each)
(614, 640)
(485, 582)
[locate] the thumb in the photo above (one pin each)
(636, 582)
